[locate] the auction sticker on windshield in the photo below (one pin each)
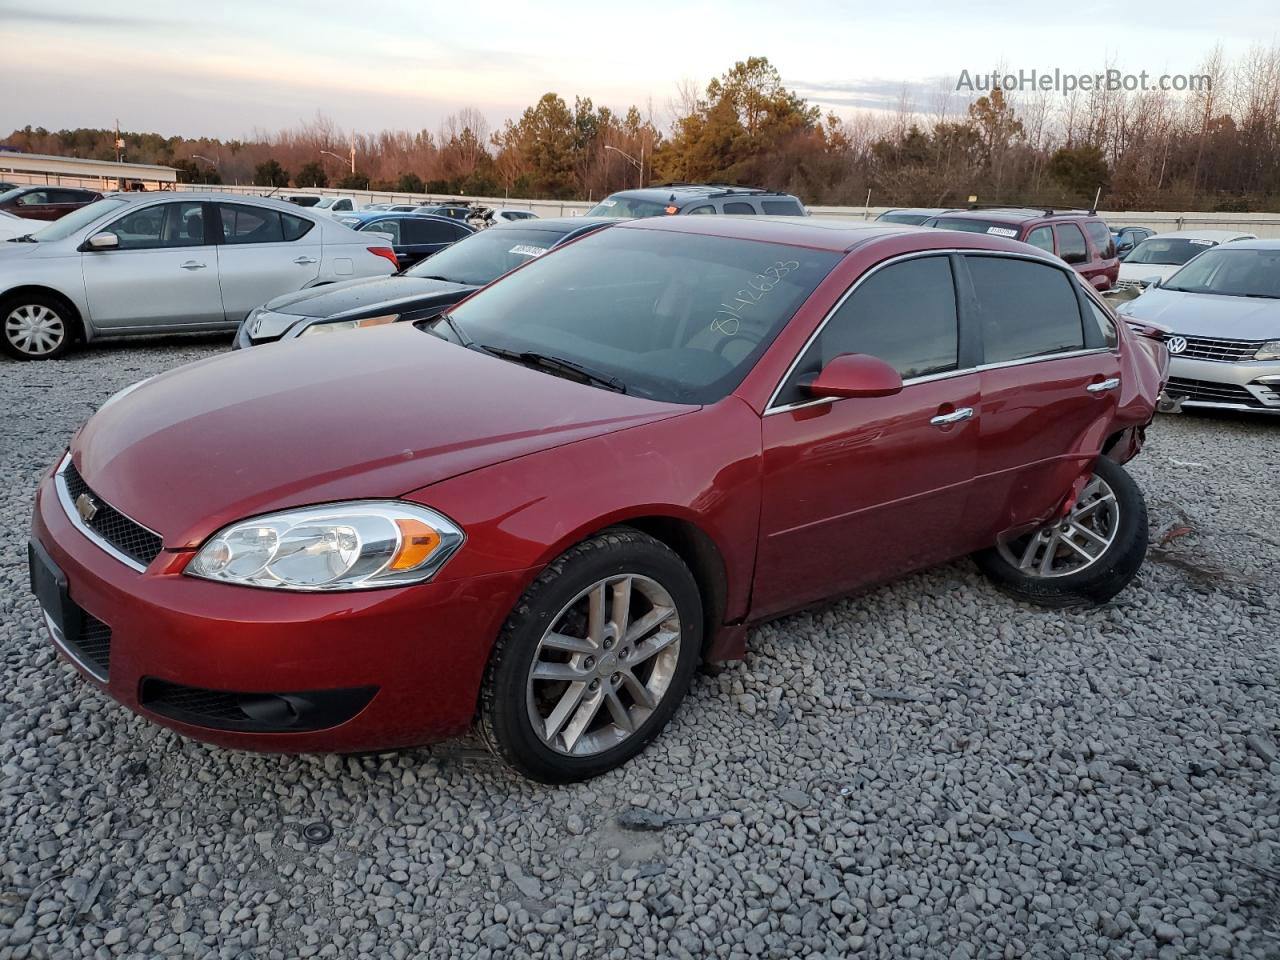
(527, 250)
(1002, 231)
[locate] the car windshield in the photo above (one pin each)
(633, 207)
(483, 257)
(1232, 273)
(1168, 250)
(672, 316)
(969, 225)
(75, 220)
(912, 219)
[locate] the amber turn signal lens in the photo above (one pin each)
(417, 542)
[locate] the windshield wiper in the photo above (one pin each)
(463, 339)
(25, 238)
(557, 365)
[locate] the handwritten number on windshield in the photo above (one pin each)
(729, 317)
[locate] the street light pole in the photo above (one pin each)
(212, 163)
(638, 164)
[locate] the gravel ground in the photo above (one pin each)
(928, 770)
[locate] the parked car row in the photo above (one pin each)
(536, 512)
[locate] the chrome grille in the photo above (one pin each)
(1219, 349)
(127, 539)
(1127, 285)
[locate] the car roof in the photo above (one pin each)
(1222, 236)
(834, 235)
(684, 192)
(209, 196)
(562, 224)
(363, 215)
(1264, 244)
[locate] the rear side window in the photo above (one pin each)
(387, 225)
(1101, 238)
(243, 224)
(781, 208)
(1027, 309)
(740, 208)
(1071, 245)
(904, 314)
(1041, 237)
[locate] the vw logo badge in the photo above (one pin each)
(1176, 344)
(87, 507)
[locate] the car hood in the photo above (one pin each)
(1142, 271)
(1208, 314)
(369, 414)
(351, 295)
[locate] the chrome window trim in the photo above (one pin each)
(771, 409)
(69, 508)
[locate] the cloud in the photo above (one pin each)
(73, 19)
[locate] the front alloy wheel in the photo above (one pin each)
(594, 658)
(604, 665)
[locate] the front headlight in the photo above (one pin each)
(1268, 351)
(338, 325)
(340, 546)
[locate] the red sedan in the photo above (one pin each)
(538, 513)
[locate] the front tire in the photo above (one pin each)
(594, 659)
(36, 327)
(1086, 558)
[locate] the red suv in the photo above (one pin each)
(1081, 239)
(45, 203)
(538, 512)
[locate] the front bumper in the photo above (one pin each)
(394, 667)
(1252, 386)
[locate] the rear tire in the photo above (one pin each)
(594, 659)
(36, 326)
(1044, 568)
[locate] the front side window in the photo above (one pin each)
(344, 205)
(1041, 237)
(1071, 245)
(703, 210)
(36, 198)
(903, 314)
(1026, 309)
(161, 225)
(672, 316)
(245, 224)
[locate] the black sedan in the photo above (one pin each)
(413, 236)
(417, 293)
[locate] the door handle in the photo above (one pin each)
(192, 265)
(1104, 386)
(955, 416)
(303, 261)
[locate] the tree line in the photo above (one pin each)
(1216, 148)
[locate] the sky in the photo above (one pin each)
(228, 68)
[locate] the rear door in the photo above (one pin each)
(1050, 383)
(1073, 248)
(263, 254)
(164, 272)
(859, 490)
(1103, 259)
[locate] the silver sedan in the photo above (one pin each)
(165, 262)
(1219, 316)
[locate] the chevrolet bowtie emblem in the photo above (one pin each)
(87, 507)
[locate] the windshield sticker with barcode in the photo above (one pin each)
(1002, 231)
(1201, 243)
(608, 203)
(526, 250)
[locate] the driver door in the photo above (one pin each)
(164, 273)
(859, 490)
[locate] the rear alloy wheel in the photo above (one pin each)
(1088, 556)
(594, 660)
(35, 328)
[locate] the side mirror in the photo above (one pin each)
(104, 241)
(856, 375)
